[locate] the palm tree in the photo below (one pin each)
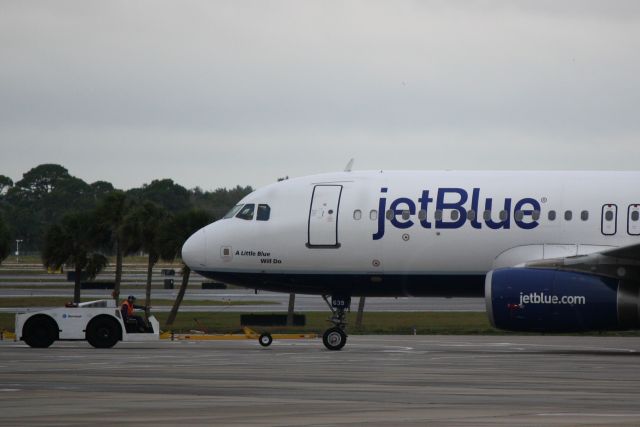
(111, 212)
(173, 233)
(75, 241)
(142, 225)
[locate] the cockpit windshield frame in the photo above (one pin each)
(247, 212)
(233, 211)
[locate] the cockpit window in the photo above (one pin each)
(246, 212)
(234, 210)
(264, 211)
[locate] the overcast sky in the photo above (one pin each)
(219, 93)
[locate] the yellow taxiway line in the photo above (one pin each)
(249, 334)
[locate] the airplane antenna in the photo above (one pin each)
(349, 165)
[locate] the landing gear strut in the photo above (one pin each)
(335, 338)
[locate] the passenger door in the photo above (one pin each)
(323, 217)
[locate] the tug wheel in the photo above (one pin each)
(40, 331)
(103, 332)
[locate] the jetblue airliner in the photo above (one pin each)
(549, 251)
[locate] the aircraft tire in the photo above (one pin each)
(334, 339)
(103, 332)
(265, 339)
(40, 331)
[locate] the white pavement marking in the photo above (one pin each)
(583, 414)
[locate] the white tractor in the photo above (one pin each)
(99, 322)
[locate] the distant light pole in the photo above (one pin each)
(18, 241)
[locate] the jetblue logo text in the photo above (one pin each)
(542, 298)
(452, 199)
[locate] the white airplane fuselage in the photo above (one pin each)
(414, 232)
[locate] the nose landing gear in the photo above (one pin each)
(335, 338)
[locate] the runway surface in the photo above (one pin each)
(279, 301)
(375, 380)
(41, 285)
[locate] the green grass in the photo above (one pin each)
(373, 323)
(394, 323)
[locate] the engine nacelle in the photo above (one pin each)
(542, 300)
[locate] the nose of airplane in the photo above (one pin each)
(194, 250)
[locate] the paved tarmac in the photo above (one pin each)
(375, 380)
(41, 285)
(279, 300)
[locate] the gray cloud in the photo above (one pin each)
(219, 93)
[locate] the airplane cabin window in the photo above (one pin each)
(246, 212)
(389, 214)
(608, 216)
(422, 214)
(568, 215)
(357, 214)
(406, 215)
(552, 215)
(438, 215)
(455, 215)
(234, 210)
(471, 215)
(536, 215)
(635, 216)
(373, 215)
(264, 212)
(486, 215)
(584, 215)
(519, 215)
(503, 215)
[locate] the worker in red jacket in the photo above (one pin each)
(127, 309)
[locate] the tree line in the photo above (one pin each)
(73, 223)
(47, 192)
